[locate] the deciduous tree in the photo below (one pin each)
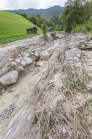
(76, 12)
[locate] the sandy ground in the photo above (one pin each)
(18, 93)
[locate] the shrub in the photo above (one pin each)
(88, 27)
(82, 29)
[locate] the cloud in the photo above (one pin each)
(25, 4)
(50, 3)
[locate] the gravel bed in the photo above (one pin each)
(7, 112)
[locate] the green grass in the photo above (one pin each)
(12, 25)
(10, 39)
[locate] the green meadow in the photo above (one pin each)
(13, 27)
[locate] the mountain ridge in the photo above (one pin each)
(46, 13)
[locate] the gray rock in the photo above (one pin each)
(27, 60)
(66, 53)
(40, 63)
(69, 59)
(64, 131)
(79, 56)
(13, 64)
(23, 63)
(18, 60)
(76, 58)
(82, 41)
(26, 54)
(10, 59)
(37, 54)
(19, 68)
(9, 78)
(82, 46)
(37, 70)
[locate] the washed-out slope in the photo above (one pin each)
(14, 25)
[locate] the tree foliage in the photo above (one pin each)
(32, 19)
(76, 12)
(44, 29)
(56, 19)
(54, 22)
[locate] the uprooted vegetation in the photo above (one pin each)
(77, 77)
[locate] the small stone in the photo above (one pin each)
(64, 131)
(27, 60)
(70, 59)
(13, 64)
(40, 63)
(19, 68)
(45, 56)
(82, 41)
(37, 70)
(66, 53)
(76, 58)
(32, 69)
(23, 63)
(17, 60)
(79, 56)
(3, 90)
(37, 54)
(82, 46)
(26, 54)
(10, 59)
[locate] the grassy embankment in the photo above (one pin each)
(13, 27)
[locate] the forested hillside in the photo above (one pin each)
(46, 13)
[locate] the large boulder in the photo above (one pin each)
(9, 78)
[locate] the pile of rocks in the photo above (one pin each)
(18, 58)
(86, 44)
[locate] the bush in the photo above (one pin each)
(82, 29)
(88, 27)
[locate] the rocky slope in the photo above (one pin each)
(52, 94)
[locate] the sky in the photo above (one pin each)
(25, 4)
